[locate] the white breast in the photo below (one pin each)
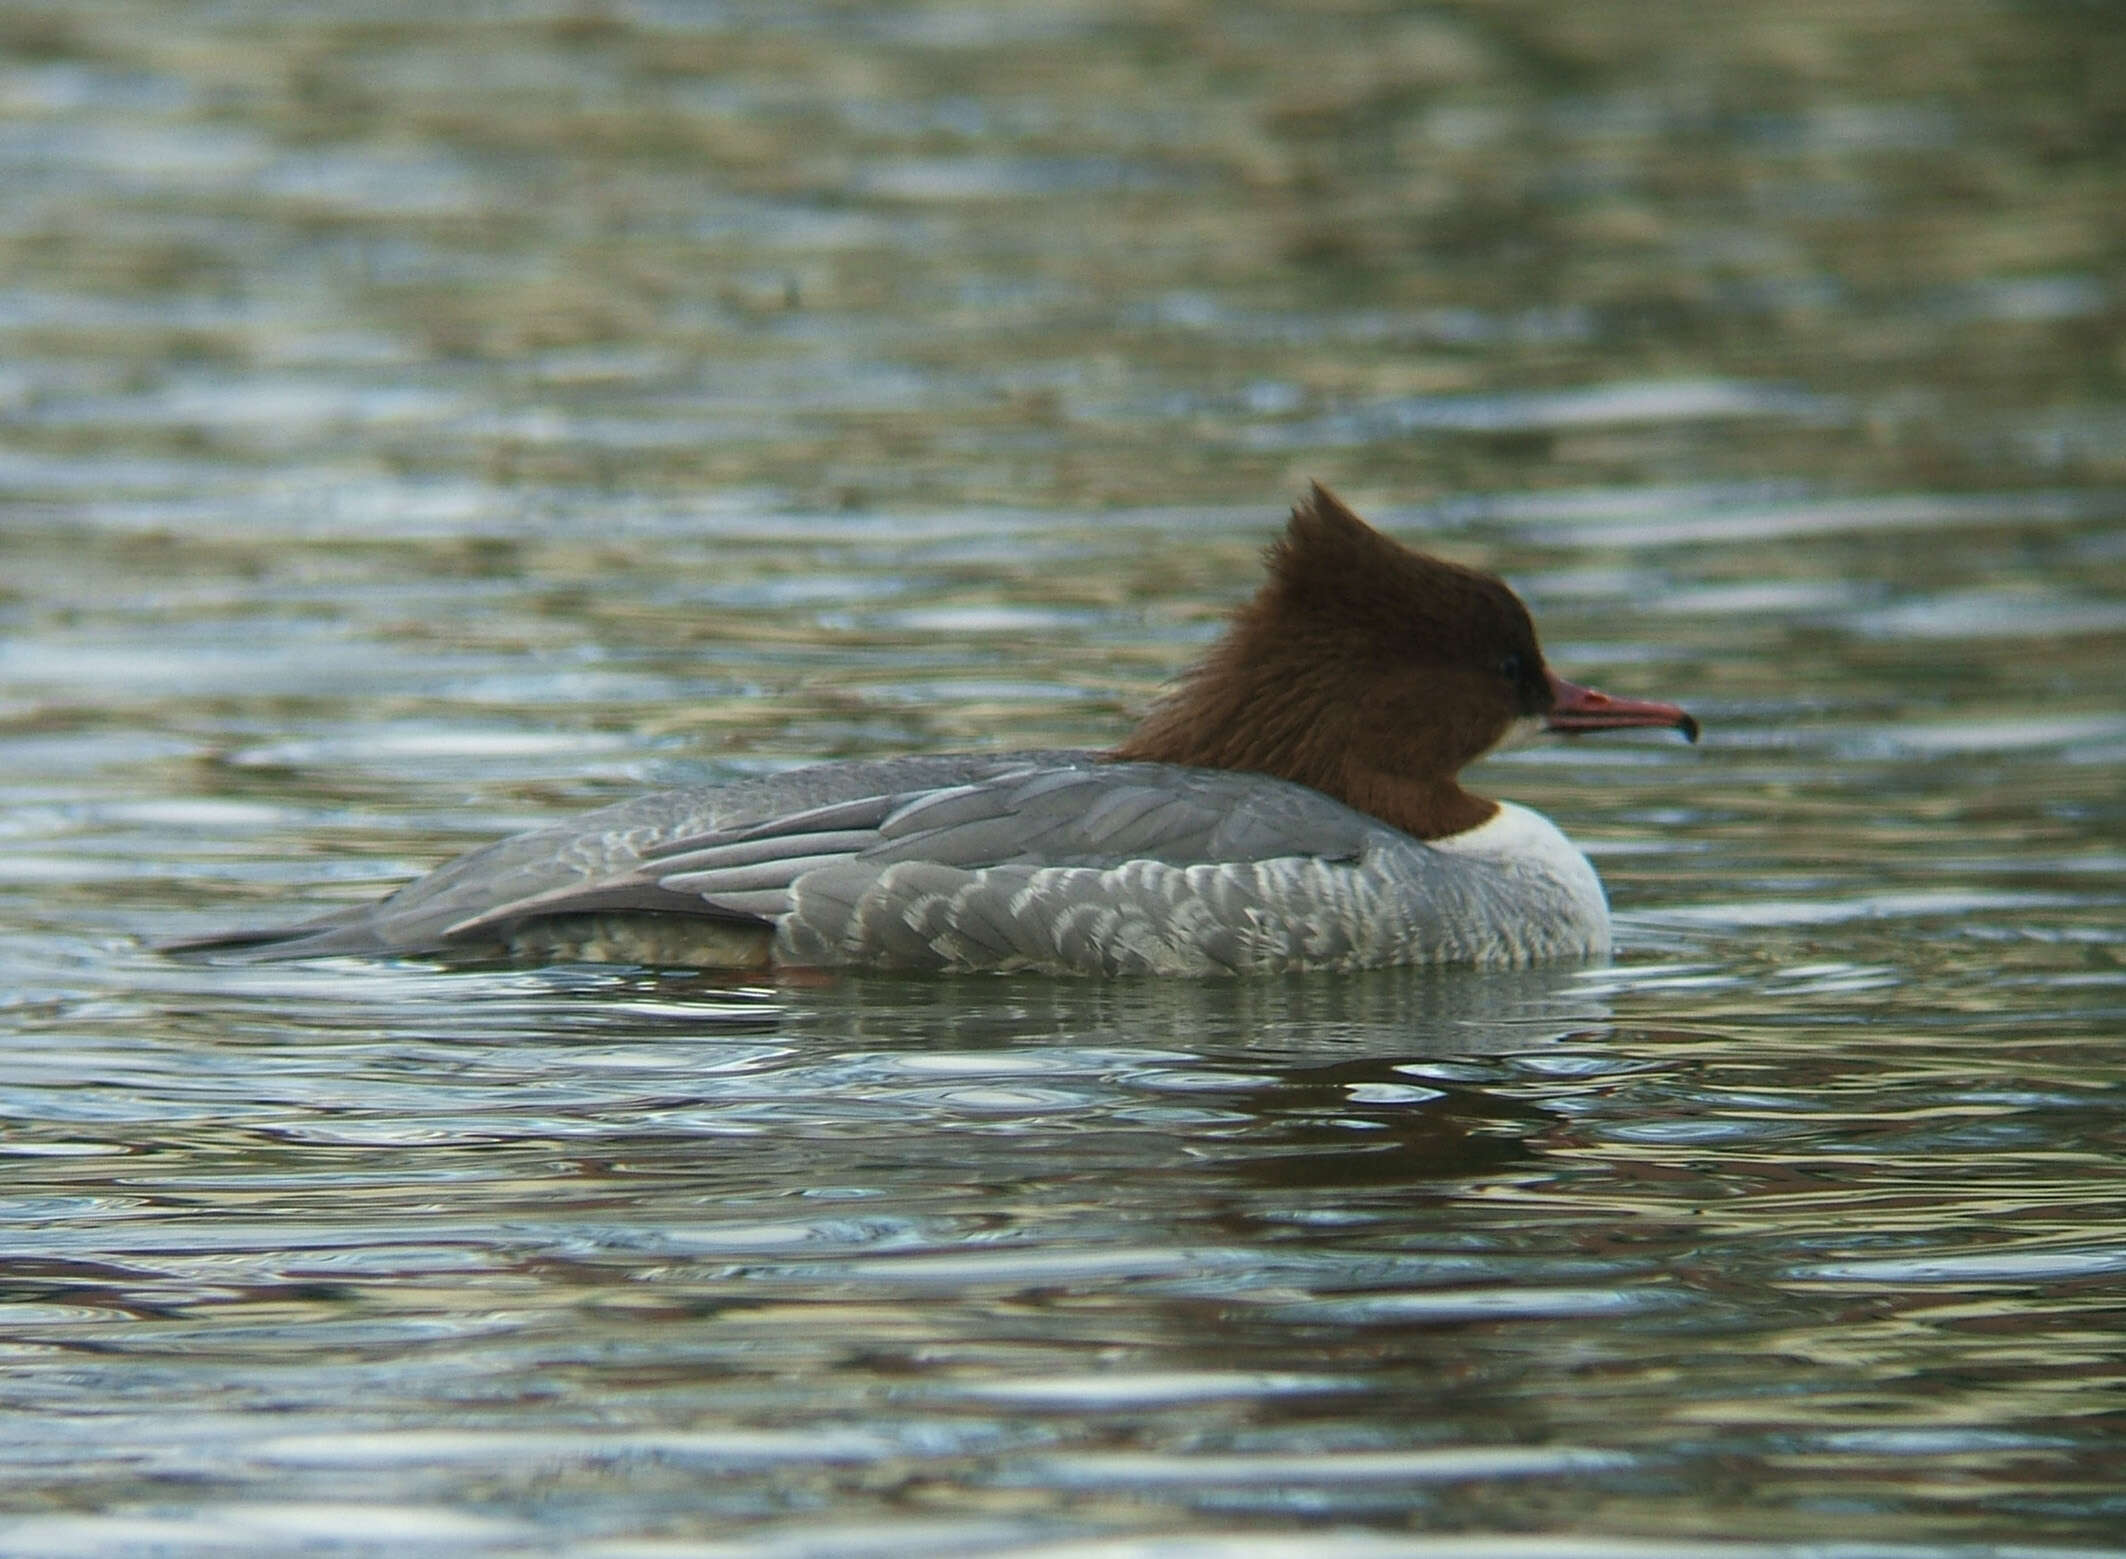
(1528, 851)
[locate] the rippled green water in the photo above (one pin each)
(414, 428)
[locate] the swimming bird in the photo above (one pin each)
(1295, 804)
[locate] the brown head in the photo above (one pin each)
(1373, 673)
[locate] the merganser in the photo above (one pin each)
(1293, 805)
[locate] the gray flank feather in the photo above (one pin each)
(1046, 861)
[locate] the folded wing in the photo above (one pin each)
(901, 862)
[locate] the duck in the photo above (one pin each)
(1293, 805)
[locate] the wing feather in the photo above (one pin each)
(1036, 860)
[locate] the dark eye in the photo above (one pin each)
(1513, 668)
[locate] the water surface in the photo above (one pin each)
(416, 428)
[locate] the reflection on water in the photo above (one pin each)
(415, 428)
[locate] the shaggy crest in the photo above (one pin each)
(1362, 668)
